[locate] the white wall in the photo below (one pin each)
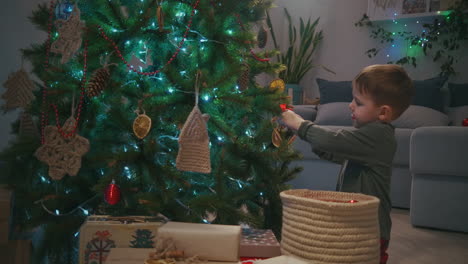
(17, 33)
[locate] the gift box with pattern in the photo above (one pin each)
(139, 255)
(260, 243)
(101, 233)
(208, 241)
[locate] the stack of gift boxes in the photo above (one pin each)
(130, 240)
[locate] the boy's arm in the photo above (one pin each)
(335, 158)
(359, 145)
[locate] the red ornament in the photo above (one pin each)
(465, 122)
(285, 107)
(112, 195)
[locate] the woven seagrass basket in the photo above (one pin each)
(330, 227)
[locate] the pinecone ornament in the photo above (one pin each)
(243, 81)
(262, 37)
(98, 82)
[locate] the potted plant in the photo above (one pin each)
(298, 57)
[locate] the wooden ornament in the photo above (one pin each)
(194, 142)
(69, 35)
(277, 84)
(141, 126)
(19, 90)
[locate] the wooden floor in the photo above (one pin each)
(414, 245)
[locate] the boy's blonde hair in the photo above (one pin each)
(386, 84)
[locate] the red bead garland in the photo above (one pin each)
(80, 104)
(44, 117)
(251, 50)
(174, 55)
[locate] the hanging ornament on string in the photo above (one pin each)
(112, 194)
(98, 82)
(69, 35)
(194, 149)
(244, 78)
(281, 133)
(19, 90)
(141, 125)
(63, 10)
(262, 36)
(160, 19)
(277, 85)
(63, 155)
(100, 79)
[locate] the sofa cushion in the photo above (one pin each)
(419, 116)
(458, 94)
(334, 91)
(336, 114)
(308, 112)
(428, 93)
(457, 114)
(402, 137)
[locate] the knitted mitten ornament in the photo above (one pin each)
(194, 149)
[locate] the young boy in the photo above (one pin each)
(381, 93)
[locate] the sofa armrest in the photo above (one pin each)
(308, 112)
(439, 151)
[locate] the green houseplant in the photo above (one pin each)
(298, 57)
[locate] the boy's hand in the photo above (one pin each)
(291, 120)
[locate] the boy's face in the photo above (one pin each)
(363, 109)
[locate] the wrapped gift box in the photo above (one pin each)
(208, 241)
(139, 255)
(285, 260)
(101, 233)
(259, 243)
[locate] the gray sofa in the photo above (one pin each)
(439, 168)
(430, 168)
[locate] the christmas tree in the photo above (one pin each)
(149, 107)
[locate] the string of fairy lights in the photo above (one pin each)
(402, 26)
(62, 10)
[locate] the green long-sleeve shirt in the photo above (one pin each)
(369, 150)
